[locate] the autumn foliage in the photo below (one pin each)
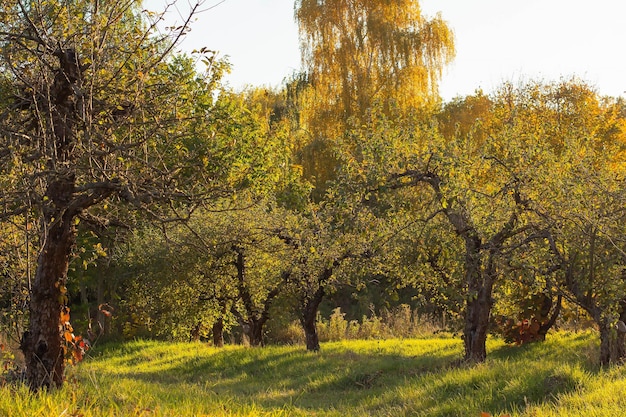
(74, 346)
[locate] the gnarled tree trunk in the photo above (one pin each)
(478, 304)
(308, 318)
(479, 277)
(42, 344)
(612, 338)
(611, 344)
(547, 325)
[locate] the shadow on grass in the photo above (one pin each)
(514, 377)
(496, 388)
(277, 376)
(579, 348)
(343, 378)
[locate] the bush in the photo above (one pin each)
(289, 333)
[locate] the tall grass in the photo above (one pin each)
(400, 377)
(398, 322)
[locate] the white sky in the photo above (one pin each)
(496, 41)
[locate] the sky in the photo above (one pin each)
(497, 41)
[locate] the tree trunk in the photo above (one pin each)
(256, 335)
(218, 332)
(546, 326)
(312, 338)
(308, 318)
(476, 326)
(42, 343)
(608, 344)
(254, 321)
(621, 332)
(612, 341)
(612, 335)
(104, 327)
(478, 304)
(194, 335)
(255, 332)
(621, 341)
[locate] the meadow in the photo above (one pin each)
(399, 377)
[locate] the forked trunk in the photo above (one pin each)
(254, 321)
(547, 325)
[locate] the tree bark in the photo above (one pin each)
(42, 343)
(255, 333)
(194, 334)
(308, 318)
(478, 304)
(218, 332)
(609, 344)
(546, 326)
(613, 339)
(476, 326)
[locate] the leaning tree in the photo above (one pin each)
(97, 110)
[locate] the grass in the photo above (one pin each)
(410, 377)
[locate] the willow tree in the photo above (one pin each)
(359, 52)
(96, 111)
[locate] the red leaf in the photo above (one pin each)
(78, 355)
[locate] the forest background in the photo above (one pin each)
(143, 198)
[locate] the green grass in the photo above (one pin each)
(411, 377)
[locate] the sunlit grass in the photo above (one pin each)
(410, 377)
